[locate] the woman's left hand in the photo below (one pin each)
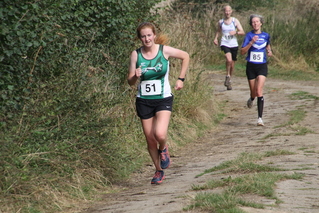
(179, 85)
(269, 53)
(234, 32)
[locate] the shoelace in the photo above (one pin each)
(163, 156)
(157, 174)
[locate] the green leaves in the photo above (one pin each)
(62, 68)
(47, 38)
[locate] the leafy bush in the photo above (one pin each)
(62, 100)
(45, 39)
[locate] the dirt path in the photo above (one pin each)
(236, 134)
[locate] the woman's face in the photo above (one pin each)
(256, 24)
(227, 12)
(147, 37)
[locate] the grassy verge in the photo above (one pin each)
(79, 134)
(295, 117)
(246, 176)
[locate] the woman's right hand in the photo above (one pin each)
(254, 39)
(216, 41)
(138, 72)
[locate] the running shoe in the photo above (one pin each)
(260, 122)
(158, 177)
(249, 103)
(229, 87)
(165, 159)
(227, 80)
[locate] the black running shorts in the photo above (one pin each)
(147, 108)
(253, 70)
(232, 50)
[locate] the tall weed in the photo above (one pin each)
(193, 34)
(295, 40)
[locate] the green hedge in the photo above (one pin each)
(43, 39)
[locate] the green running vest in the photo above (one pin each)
(154, 82)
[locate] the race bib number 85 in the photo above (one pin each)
(256, 56)
(151, 87)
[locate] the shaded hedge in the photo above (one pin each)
(41, 40)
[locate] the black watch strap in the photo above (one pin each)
(182, 79)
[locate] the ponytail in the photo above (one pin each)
(162, 39)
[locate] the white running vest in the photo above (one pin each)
(228, 40)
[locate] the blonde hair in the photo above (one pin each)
(160, 38)
(227, 5)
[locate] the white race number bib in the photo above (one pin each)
(227, 36)
(151, 87)
(256, 56)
